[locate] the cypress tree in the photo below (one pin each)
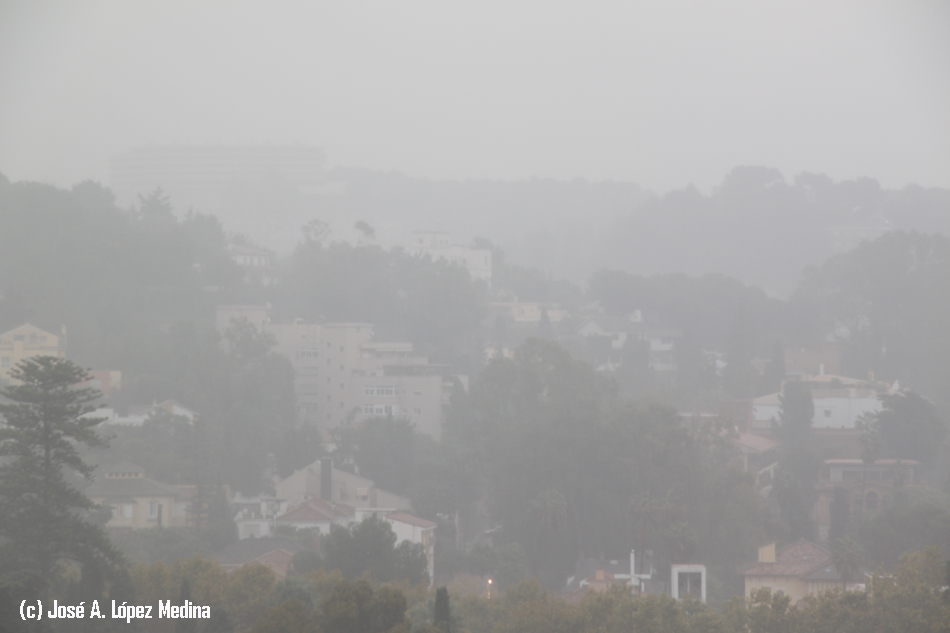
(442, 613)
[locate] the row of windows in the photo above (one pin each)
(387, 391)
(389, 409)
(21, 338)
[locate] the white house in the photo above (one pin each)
(435, 244)
(835, 408)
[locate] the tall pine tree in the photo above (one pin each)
(42, 512)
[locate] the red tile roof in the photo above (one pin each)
(316, 510)
(798, 559)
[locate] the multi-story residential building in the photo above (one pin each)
(343, 376)
(26, 341)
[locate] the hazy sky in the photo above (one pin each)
(661, 93)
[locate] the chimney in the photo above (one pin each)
(633, 564)
(767, 553)
(326, 479)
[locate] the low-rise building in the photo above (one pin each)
(27, 341)
(274, 553)
(868, 486)
(323, 481)
(438, 246)
(318, 515)
(838, 405)
(138, 501)
(797, 570)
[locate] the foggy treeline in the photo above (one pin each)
(562, 448)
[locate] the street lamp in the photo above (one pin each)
(489, 588)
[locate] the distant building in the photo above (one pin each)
(26, 341)
(323, 481)
(797, 570)
(838, 405)
(343, 376)
(318, 515)
(139, 502)
(251, 257)
(274, 553)
(868, 487)
(407, 528)
(203, 176)
(438, 246)
(256, 516)
(139, 414)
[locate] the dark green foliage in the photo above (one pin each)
(910, 427)
(840, 510)
(442, 613)
(370, 547)
(774, 374)
(306, 561)
(357, 608)
(913, 521)
(890, 295)
(796, 415)
(290, 616)
(112, 278)
(433, 304)
(385, 451)
(563, 461)
(41, 511)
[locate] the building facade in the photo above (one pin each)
(26, 341)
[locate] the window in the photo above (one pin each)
(417, 393)
(417, 410)
(33, 338)
(827, 413)
(127, 510)
(329, 379)
(42, 339)
(341, 348)
(870, 501)
(153, 510)
(18, 337)
(380, 391)
(5, 362)
(116, 512)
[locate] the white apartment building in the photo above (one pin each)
(438, 246)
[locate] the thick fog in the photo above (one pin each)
(495, 317)
(661, 94)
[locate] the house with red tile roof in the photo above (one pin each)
(797, 570)
(317, 514)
